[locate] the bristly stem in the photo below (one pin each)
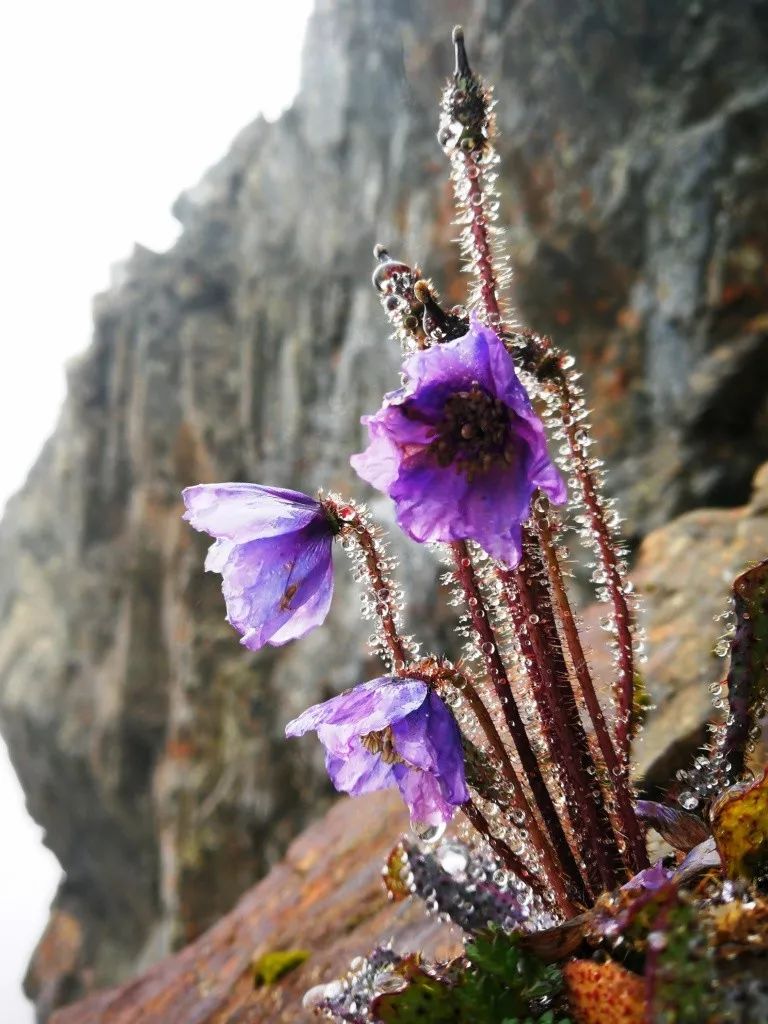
(465, 131)
(635, 839)
(514, 864)
(529, 608)
(481, 241)
(352, 524)
(520, 802)
(614, 582)
(497, 672)
(507, 856)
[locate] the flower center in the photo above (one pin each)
(473, 434)
(382, 742)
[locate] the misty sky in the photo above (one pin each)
(109, 110)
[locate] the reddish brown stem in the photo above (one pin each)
(635, 837)
(385, 607)
(500, 680)
(353, 525)
(483, 254)
(614, 583)
(513, 863)
(520, 801)
(529, 607)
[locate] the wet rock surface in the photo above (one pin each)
(633, 146)
(325, 899)
(686, 572)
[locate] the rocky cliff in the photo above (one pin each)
(634, 157)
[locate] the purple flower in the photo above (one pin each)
(392, 732)
(273, 550)
(459, 449)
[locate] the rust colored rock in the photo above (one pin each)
(326, 897)
(55, 973)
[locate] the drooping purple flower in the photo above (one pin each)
(459, 448)
(273, 550)
(392, 732)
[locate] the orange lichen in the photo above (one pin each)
(604, 993)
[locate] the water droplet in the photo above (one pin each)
(320, 993)
(428, 833)
(454, 858)
(388, 981)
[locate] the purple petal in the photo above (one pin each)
(393, 437)
(428, 501)
(459, 362)
(441, 503)
(423, 795)
(540, 470)
(379, 464)
(218, 555)
(267, 582)
(359, 771)
(430, 741)
(411, 739)
(369, 707)
(434, 503)
(445, 740)
(310, 615)
(249, 512)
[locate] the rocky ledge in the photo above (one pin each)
(325, 901)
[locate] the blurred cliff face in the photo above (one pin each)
(633, 144)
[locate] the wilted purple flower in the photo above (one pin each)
(392, 732)
(273, 550)
(459, 449)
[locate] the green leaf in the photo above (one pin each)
(425, 1000)
(500, 983)
(506, 982)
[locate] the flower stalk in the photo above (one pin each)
(562, 726)
(466, 130)
(353, 527)
(614, 581)
(519, 800)
(637, 856)
(497, 674)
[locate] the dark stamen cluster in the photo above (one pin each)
(473, 434)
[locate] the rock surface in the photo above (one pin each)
(633, 145)
(325, 899)
(686, 572)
